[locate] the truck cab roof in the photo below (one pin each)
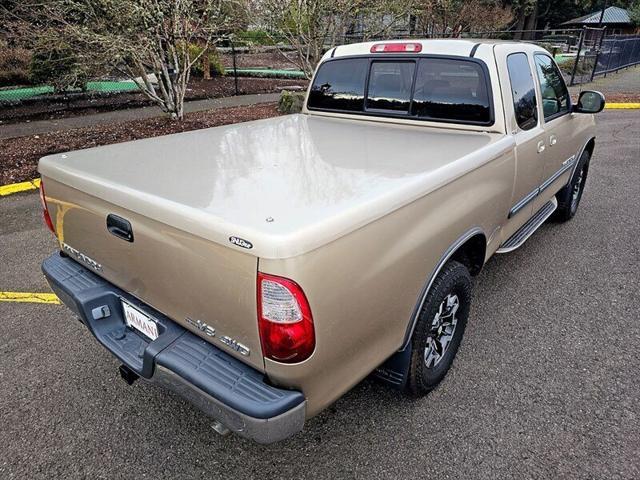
(451, 46)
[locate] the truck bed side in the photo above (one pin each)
(363, 287)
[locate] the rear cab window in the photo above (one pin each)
(340, 86)
(452, 90)
(390, 86)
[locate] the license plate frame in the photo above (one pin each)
(139, 321)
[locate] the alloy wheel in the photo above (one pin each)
(577, 190)
(442, 330)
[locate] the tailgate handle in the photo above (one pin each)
(119, 227)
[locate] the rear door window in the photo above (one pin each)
(523, 91)
(339, 85)
(390, 86)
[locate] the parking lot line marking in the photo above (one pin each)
(19, 187)
(27, 297)
(614, 106)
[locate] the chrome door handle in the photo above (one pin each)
(553, 140)
(540, 147)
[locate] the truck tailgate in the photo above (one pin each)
(177, 273)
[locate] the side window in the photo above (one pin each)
(555, 96)
(339, 85)
(390, 86)
(523, 91)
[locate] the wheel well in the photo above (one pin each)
(471, 253)
(591, 144)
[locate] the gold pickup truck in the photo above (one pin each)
(263, 269)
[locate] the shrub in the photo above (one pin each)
(58, 66)
(585, 67)
(548, 47)
(291, 102)
(215, 64)
(255, 37)
(14, 66)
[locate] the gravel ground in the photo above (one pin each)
(621, 86)
(546, 383)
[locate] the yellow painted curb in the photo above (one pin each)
(26, 297)
(19, 187)
(614, 106)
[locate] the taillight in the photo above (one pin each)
(405, 47)
(285, 321)
(45, 210)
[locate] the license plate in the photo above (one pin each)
(134, 318)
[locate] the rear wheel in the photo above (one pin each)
(569, 197)
(440, 328)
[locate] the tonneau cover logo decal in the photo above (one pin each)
(240, 242)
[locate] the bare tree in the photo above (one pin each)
(311, 27)
(452, 17)
(146, 40)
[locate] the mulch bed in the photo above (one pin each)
(622, 97)
(56, 107)
(611, 97)
(19, 156)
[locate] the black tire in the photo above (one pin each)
(569, 197)
(453, 280)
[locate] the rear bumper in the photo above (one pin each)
(224, 388)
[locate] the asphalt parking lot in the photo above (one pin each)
(546, 383)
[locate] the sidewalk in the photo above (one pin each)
(46, 126)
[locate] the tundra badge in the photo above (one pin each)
(81, 257)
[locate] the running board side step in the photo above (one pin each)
(525, 231)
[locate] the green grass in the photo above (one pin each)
(21, 93)
(107, 86)
(563, 57)
(266, 72)
(12, 94)
(101, 86)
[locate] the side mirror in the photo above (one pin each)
(589, 102)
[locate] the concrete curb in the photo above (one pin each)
(19, 187)
(621, 106)
(29, 297)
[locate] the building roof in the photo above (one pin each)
(612, 15)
